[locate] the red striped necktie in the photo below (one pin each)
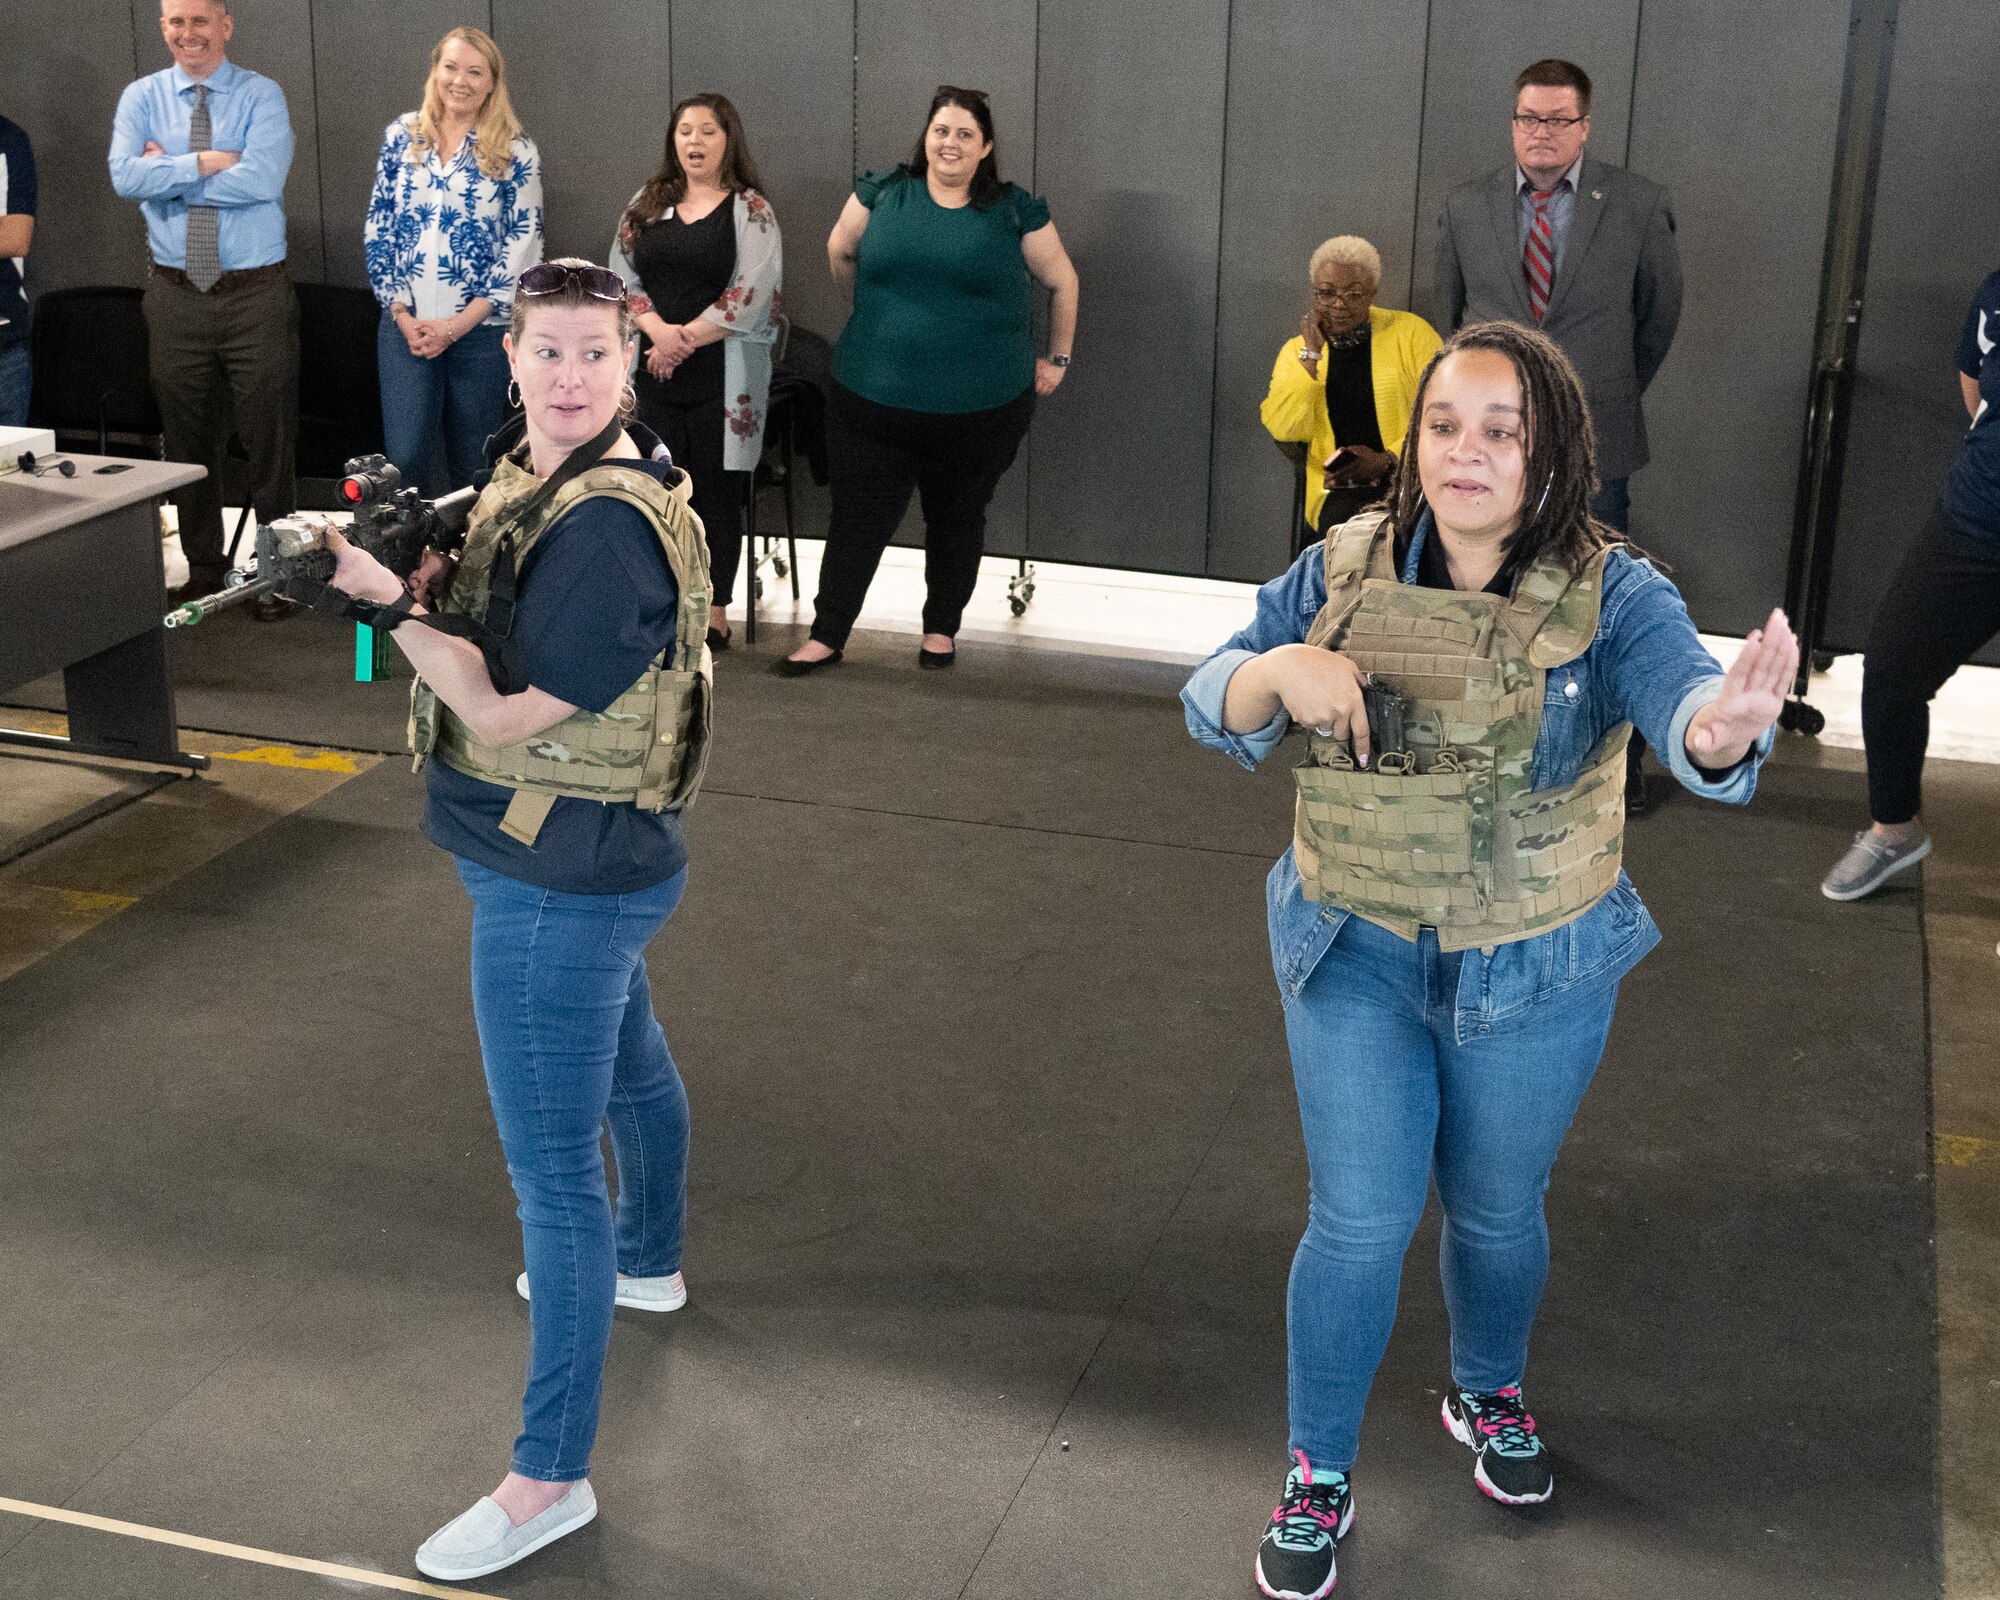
(1538, 261)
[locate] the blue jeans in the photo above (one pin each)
(15, 376)
(436, 414)
(1391, 1096)
(567, 1030)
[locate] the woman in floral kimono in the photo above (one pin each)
(701, 255)
(455, 219)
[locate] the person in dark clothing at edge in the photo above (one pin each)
(1452, 922)
(562, 758)
(1940, 608)
(701, 255)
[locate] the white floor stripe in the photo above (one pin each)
(240, 1552)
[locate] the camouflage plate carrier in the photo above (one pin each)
(650, 745)
(1447, 833)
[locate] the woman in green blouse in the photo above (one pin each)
(936, 375)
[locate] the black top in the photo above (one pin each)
(1350, 394)
(17, 198)
(684, 267)
(597, 605)
(1434, 571)
(1972, 485)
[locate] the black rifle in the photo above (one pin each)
(392, 523)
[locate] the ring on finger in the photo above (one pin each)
(1325, 731)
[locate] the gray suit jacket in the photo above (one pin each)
(1616, 299)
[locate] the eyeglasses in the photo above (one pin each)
(552, 277)
(1345, 297)
(950, 91)
(1526, 120)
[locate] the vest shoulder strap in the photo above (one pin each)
(1554, 612)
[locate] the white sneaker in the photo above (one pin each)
(485, 1539)
(175, 562)
(638, 1294)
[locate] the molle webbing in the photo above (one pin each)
(1447, 833)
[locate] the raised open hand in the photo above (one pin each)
(1753, 693)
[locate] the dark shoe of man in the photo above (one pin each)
(1295, 1559)
(1512, 1464)
(1871, 861)
(1638, 799)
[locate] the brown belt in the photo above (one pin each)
(228, 281)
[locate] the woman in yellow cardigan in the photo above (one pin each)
(1344, 386)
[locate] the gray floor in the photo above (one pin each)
(995, 1152)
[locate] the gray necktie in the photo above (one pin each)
(204, 246)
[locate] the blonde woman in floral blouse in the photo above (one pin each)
(700, 253)
(455, 219)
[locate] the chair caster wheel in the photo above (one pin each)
(1822, 661)
(1798, 717)
(1018, 606)
(780, 566)
(756, 588)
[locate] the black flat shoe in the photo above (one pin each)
(718, 641)
(786, 667)
(935, 660)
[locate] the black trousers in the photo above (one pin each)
(876, 456)
(1941, 606)
(229, 354)
(694, 433)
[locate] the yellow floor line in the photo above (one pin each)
(277, 755)
(241, 1552)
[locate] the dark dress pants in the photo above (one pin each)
(1942, 605)
(695, 435)
(877, 457)
(230, 356)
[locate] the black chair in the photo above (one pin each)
(340, 395)
(794, 424)
(91, 381)
(1295, 453)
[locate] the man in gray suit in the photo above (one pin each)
(1582, 250)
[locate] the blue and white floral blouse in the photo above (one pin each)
(442, 233)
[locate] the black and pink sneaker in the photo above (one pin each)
(1295, 1559)
(1513, 1465)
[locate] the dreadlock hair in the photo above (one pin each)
(1561, 468)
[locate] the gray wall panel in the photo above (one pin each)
(1727, 412)
(1476, 48)
(1284, 190)
(1129, 151)
(1937, 235)
(371, 59)
(64, 91)
(789, 67)
(563, 78)
(901, 58)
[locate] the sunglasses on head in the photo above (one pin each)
(949, 91)
(552, 277)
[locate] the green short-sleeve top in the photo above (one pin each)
(942, 299)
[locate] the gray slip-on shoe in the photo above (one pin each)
(484, 1540)
(1870, 862)
(640, 1294)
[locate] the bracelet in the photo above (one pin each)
(1308, 354)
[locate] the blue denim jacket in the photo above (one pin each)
(1645, 666)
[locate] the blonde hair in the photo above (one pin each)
(1347, 250)
(497, 127)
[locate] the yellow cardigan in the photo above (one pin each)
(1295, 409)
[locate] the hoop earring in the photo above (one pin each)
(628, 400)
(513, 395)
(1543, 504)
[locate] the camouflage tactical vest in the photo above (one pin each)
(1447, 833)
(650, 746)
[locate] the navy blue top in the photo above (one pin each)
(17, 199)
(1972, 484)
(596, 607)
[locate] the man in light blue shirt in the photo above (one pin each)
(205, 147)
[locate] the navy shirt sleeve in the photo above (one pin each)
(17, 194)
(597, 604)
(1982, 327)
